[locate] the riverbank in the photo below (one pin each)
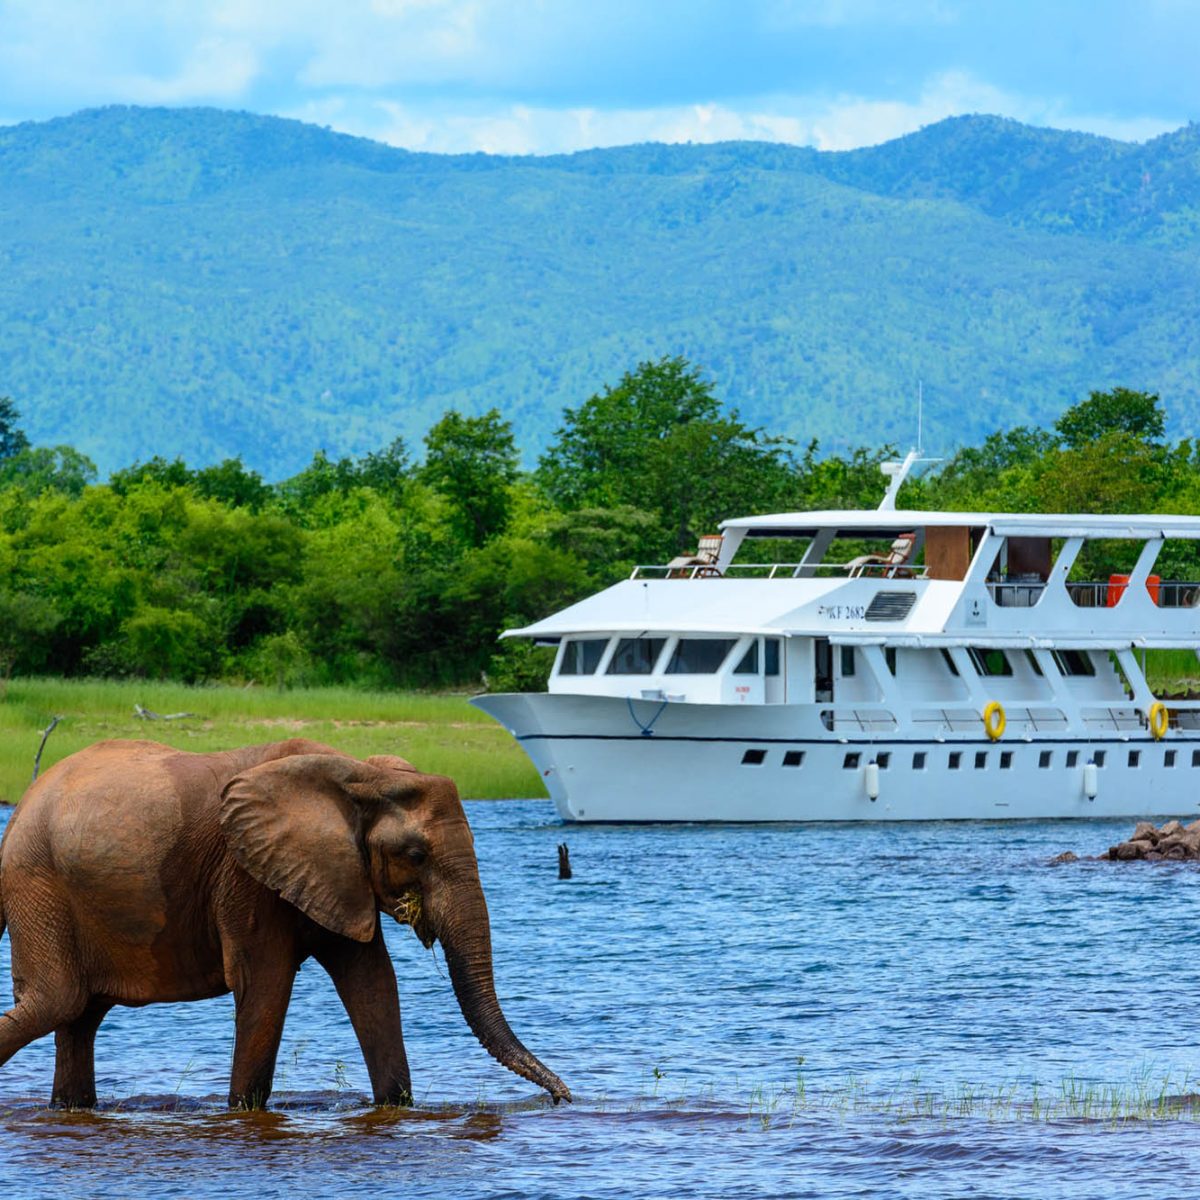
(439, 733)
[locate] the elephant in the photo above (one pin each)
(133, 873)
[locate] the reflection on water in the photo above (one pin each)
(908, 1010)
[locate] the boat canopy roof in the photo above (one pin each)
(869, 522)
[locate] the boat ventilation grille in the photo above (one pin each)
(890, 606)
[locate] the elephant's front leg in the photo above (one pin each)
(261, 993)
(366, 983)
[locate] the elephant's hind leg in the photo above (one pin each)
(75, 1059)
(32, 1017)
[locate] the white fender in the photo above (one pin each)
(871, 779)
(1091, 780)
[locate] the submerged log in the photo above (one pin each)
(146, 714)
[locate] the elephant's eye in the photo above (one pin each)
(416, 855)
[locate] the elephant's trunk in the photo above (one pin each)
(463, 929)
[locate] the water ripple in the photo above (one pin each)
(917, 1011)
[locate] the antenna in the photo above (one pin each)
(897, 472)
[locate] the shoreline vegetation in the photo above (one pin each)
(439, 732)
(393, 573)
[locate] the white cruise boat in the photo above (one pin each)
(963, 672)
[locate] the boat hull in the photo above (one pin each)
(607, 759)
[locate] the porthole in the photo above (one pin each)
(1196, 758)
(793, 758)
(955, 760)
(1168, 758)
(980, 759)
(1046, 759)
(883, 760)
(1005, 759)
(850, 762)
(1098, 757)
(1135, 758)
(1072, 758)
(919, 760)
(753, 758)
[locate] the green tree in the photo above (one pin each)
(660, 441)
(26, 622)
(172, 474)
(38, 469)
(472, 461)
(12, 439)
(387, 470)
(602, 444)
(1138, 414)
(165, 643)
(1114, 473)
(233, 484)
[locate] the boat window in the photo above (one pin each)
(1006, 760)
(884, 760)
(847, 661)
(989, 662)
(1098, 758)
(793, 758)
(1169, 758)
(850, 762)
(754, 758)
(919, 760)
(635, 656)
(1135, 758)
(582, 657)
(1072, 758)
(771, 648)
(699, 656)
(1074, 662)
(1196, 758)
(1046, 759)
(749, 663)
(955, 760)
(980, 759)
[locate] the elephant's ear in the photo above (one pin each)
(392, 762)
(293, 824)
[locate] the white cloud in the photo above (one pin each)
(217, 69)
(828, 123)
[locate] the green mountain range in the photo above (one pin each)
(204, 283)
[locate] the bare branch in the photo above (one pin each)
(37, 762)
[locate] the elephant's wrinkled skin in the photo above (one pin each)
(133, 873)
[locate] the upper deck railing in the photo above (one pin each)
(850, 570)
(1006, 593)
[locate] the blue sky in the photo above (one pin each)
(542, 76)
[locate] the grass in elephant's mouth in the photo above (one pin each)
(407, 910)
(442, 734)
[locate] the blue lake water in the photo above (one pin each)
(740, 1010)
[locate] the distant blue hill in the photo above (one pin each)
(209, 283)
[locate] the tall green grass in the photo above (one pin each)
(442, 734)
(1171, 670)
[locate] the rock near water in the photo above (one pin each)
(1172, 843)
